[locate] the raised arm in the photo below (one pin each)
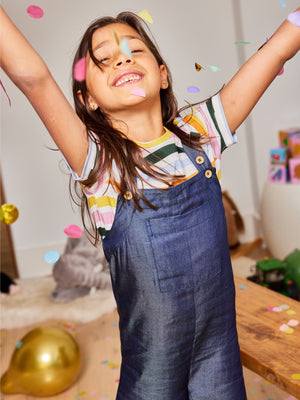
(27, 70)
(244, 90)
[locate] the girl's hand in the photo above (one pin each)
(244, 90)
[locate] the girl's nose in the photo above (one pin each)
(122, 59)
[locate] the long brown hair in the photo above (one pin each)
(114, 146)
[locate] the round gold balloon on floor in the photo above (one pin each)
(45, 362)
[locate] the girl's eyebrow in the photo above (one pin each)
(128, 37)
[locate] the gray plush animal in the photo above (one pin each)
(81, 268)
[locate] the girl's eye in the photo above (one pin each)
(104, 60)
(136, 51)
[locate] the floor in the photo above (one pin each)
(100, 365)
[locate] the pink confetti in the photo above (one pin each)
(73, 231)
(277, 309)
(294, 18)
(283, 328)
(138, 92)
(80, 70)
(293, 322)
(281, 71)
(5, 92)
(35, 12)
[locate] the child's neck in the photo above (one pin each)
(140, 126)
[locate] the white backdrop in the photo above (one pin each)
(186, 31)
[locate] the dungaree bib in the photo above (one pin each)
(173, 284)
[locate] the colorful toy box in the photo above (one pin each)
(286, 134)
(277, 173)
(294, 169)
(279, 156)
(294, 146)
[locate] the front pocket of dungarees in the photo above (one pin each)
(185, 249)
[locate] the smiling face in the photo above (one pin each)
(127, 76)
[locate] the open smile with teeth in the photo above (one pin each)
(128, 80)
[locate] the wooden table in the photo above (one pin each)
(266, 350)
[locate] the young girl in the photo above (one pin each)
(150, 180)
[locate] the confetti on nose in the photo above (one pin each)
(5, 92)
(146, 16)
(294, 18)
(125, 48)
(73, 231)
(35, 12)
(193, 89)
(80, 70)
(198, 67)
(51, 257)
(138, 92)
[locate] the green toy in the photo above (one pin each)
(281, 276)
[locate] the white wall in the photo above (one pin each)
(189, 31)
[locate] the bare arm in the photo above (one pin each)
(244, 90)
(27, 70)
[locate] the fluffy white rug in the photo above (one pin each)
(33, 305)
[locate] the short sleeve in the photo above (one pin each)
(208, 119)
(89, 162)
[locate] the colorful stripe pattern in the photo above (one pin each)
(167, 154)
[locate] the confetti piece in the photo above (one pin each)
(146, 16)
(116, 37)
(35, 12)
(281, 71)
(283, 327)
(293, 322)
(294, 18)
(80, 70)
(9, 102)
(214, 68)
(193, 89)
(138, 92)
(296, 376)
(19, 345)
(242, 287)
(284, 306)
(73, 231)
(124, 46)
(241, 42)
(291, 312)
(51, 257)
(198, 67)
(283, 3)
(288, 330)
(275, 309)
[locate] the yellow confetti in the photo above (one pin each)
(198, 67)
(289, 330)
(296, 376)
(267, 383)
(291, 312)
(146, 16)
(82, 393)
(116, 37)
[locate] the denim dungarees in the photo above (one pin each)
(173, 284)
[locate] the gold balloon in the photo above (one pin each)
(8, 213)
(45, 362)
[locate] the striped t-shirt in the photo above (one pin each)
(165, 152)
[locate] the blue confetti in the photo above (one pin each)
(19, 345)
(125, 48)
(242, 287)
(51, 257)
(283, 3)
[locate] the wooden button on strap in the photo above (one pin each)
(128, 195)
(208, 173)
